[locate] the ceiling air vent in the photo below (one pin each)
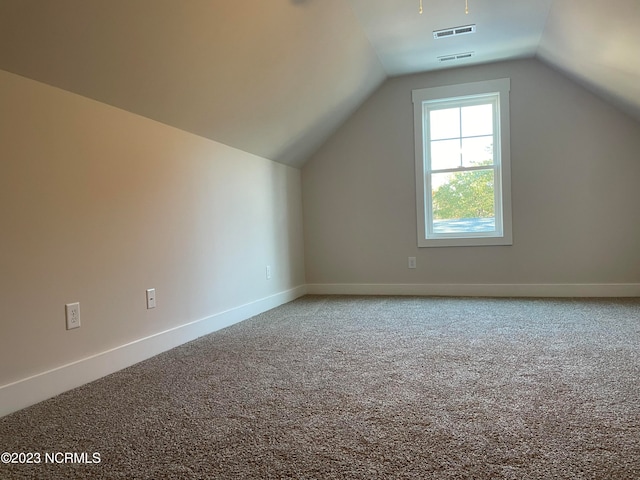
(452, 32)
(455, 56)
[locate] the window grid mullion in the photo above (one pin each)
(464, 138)
(463, 169)
(460, 134)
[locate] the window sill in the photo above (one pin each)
(465, 242)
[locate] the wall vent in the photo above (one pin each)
(452, 32)
(455, 56)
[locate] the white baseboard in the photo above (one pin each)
(480, 290)
(28, 391)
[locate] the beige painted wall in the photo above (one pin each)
(575, 182)
(97, 205)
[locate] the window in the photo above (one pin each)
(463, 164)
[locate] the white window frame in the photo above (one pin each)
(459, 95)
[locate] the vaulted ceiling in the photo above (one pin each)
(276, 78)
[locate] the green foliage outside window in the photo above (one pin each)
(467, 195)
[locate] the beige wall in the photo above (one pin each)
(575, 182)
(97, 205)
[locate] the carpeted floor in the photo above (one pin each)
(364, 388)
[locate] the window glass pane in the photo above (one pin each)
(477, 151)
(463, 202)
(445, 154)
(444, 123)
(477, 120)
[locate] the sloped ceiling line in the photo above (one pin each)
(276, 79)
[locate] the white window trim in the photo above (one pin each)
(420, 96)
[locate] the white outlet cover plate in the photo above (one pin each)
(151, 298)
(72, 313)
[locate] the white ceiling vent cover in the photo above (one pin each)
(455, 56)
(452, 32)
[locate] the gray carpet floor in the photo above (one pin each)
(364, 388)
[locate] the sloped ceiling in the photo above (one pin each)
(404, 39)
(270, 77)
(276, 78)
(597, 43)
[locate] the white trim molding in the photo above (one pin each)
(429, 101)
(480, 290)
(28, 391)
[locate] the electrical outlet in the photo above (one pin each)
(151, 298)
(412, 262)
(72, 312)
(268, 272)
